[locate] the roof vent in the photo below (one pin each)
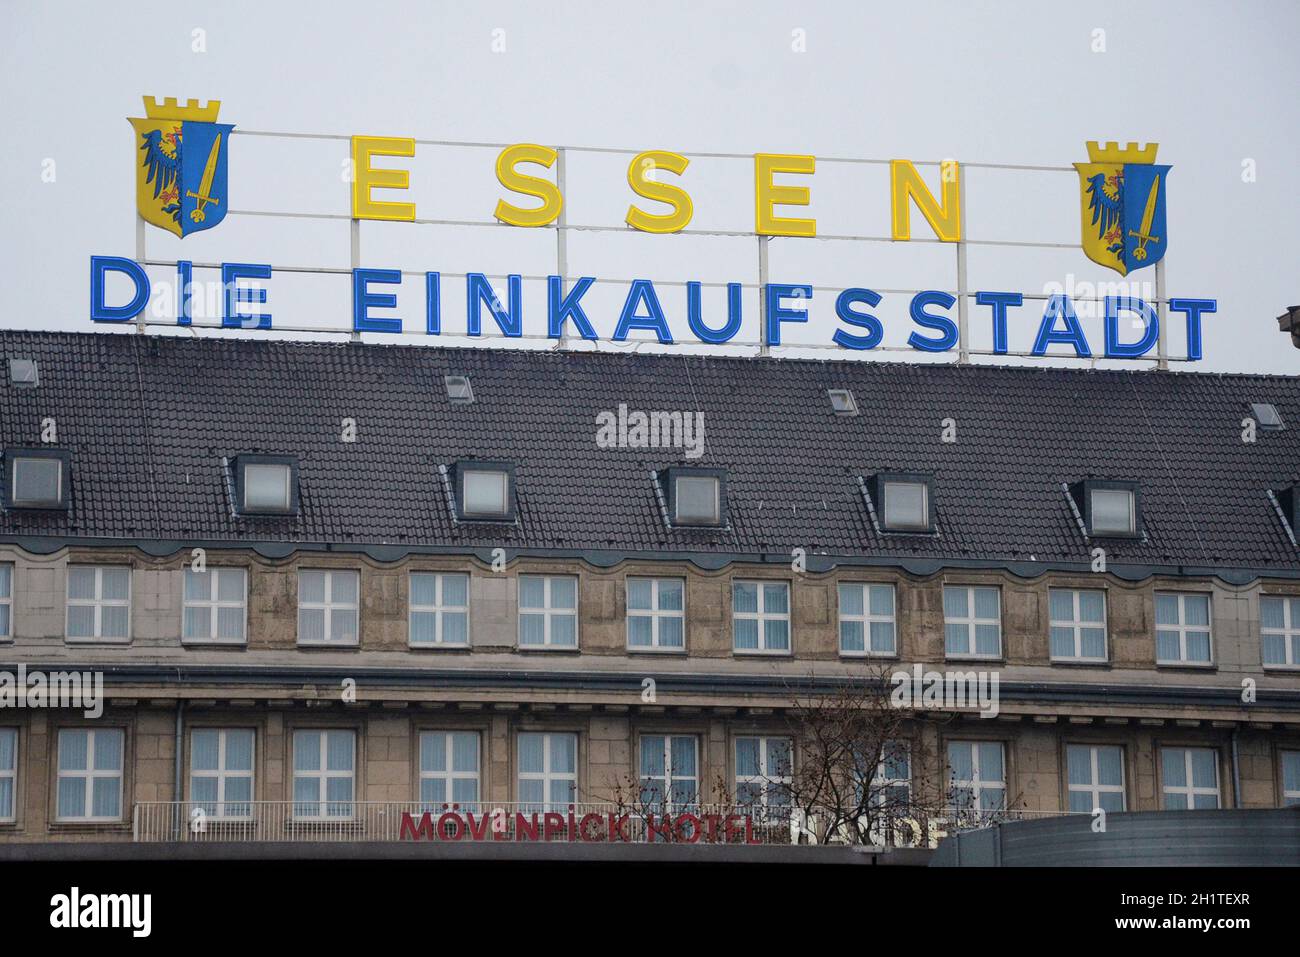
(842, 402)
(23, 372)
(1265, 414)
(459, 391)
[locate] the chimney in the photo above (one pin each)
(1289, 321)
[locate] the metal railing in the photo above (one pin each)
(605, 822)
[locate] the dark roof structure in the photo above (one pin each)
(148, 421)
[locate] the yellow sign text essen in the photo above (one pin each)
(771, 197)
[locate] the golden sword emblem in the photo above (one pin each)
(209, 173)
(1143, 234)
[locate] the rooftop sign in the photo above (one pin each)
(182, 157)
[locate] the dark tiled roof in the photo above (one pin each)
(148, 420)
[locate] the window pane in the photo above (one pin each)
(1174, 768)
(1094, 643)
(73, 750)
(115, 584)
(6, 580)
(882, 637)
(638, 594)
(670, 595)
(230, 584)
(455, 627)
(339, 751)
(990, 762)
(746, 632)
(197, 623)
(987, 640)
(639, 631)
(198, 585)
(114, 621)
(564, 753)
(1203, 768)
(564, 593)
(954, 603)
(1110, 766)
(8, 749)
(108, 751)
(72, 797)
(486, 493)
(1197, 610)
(204, 750)
(564, 630)
(960, 758)
(230, 624)
(423, 625)
(1198, 646)
(306, 751)
(532, 629)
(464, 752)
(852, 636)
(81, 582)
(343, 587)
(424, 589)
(311, 586)
(1167, 646)
(746, 756)
(697, 499)
(1112, 510)
(455, 591)
(1166, 609)
(777, 635)
(433, 752)
(37, 480)
(744, 597)
(311, 624)
(776, 599)
(530, 753)
(1079, 764)
(105, 797)
(1061, 603)
(1092, 606)
(670, 633)
(905, 505)
(1062, 642)
(986, 603)
(882, 599)
(851, 600)
(1274, 650)
(239, 750)
(343, 624)
(532, 591)
(956, 639)
(266, 486)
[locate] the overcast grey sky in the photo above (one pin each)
(1215, 84)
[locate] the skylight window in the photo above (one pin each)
(24, 372)
(1110, 509)
(459, 391)
(903, 502)
(36, 478)
(697, 496)
(1266, 415)
(842, 402)
(485, 491)
(266, 484)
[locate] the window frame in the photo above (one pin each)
(1088, 486)
(1290, 798)
(548, 611)
(1190, 790)
(765, 780)
(676, 472)
(547, 775)
(464, 466)
(1077, 624)
(1289, 633)
(970, 621)
(1094, 787)
(8, 571)
(90, 774)
(289, 461)
(12, 456)
(10, 774)
(761, 616)
(449, 775)
(977, 783)
(654, 613)
(328, 606)
(438, 609)
(98, 603)
(882, 479)
(670, 778)
(322, 775)
(867, 619)
(1182, 629)
(222, 773)
(213, 604)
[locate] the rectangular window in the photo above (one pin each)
(37, 479)
(698, 500)
(324, 764)
(328, 606)
(90, 775)
(6, 600)
(761, 617)
(978, 776)
(99, 603)
(8, 773)
(267, 487)
(867, 619)
(670, 772)
(449, 766)
(215, 605)
(439, 609)
(656, 614)
(891, 781)
(1279, 628)
(548, 771)
(905, 506)
(1095, 777)
(486, 493)
(1113, 511)
(1290, 778)
(1078, 624)
(764, 771)
(1182, 629)
(1191, 778)
(221, 772)
(972, 621)
(548, 611)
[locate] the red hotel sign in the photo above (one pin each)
(603, 828)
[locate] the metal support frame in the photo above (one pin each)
(765, 347)
(963, 294)
(561, 239)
